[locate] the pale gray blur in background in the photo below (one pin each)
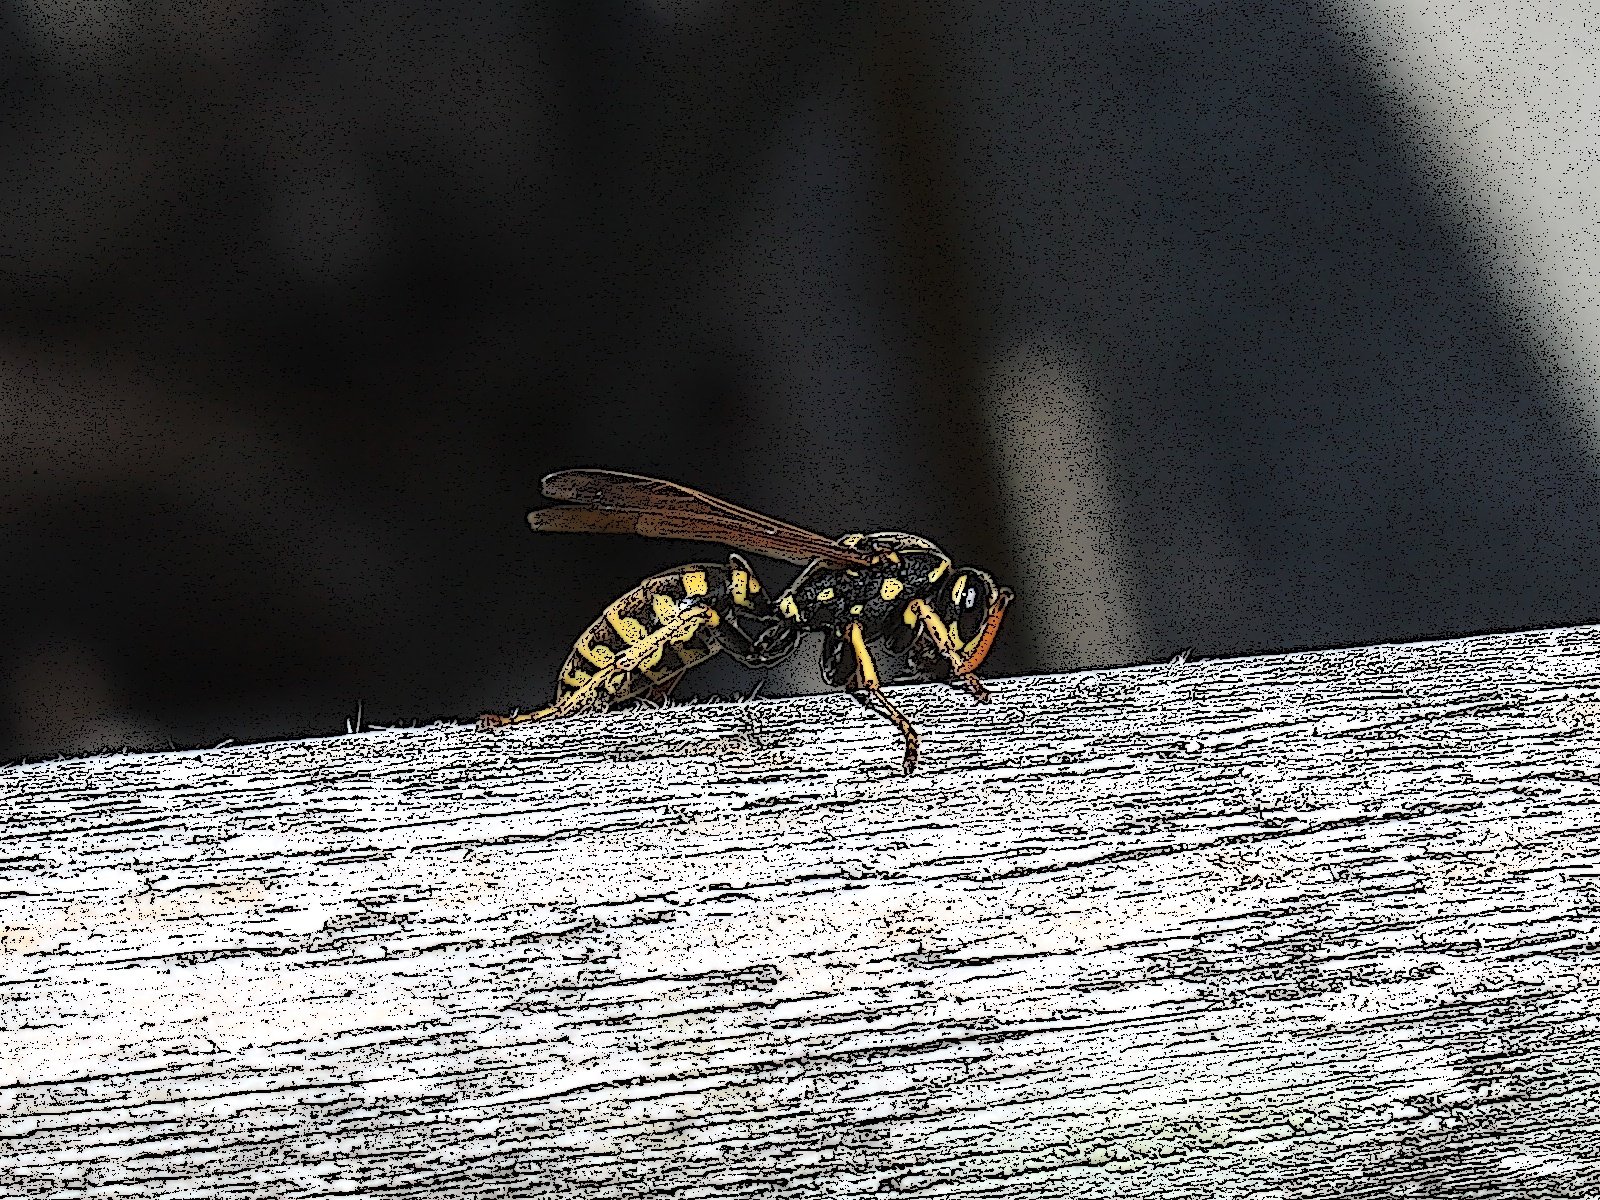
(1212, 329)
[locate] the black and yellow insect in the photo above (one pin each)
(891, 588)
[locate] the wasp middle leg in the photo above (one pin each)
(865, 686)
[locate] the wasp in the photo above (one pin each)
(858, 590)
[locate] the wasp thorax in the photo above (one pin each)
(875, 596)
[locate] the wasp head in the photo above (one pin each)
(971, 607)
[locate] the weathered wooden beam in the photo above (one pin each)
(1314, 925)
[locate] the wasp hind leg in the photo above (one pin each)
(661, 692)
(501, 720)
(564, 707)
(603, 689)
(754, 632)
(865, 686)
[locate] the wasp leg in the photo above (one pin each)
(659, 693)
(597, 693)
(772, 642)
(946, 642)
(569, 705)
(754, 632)
(869, 691)
(501, 720)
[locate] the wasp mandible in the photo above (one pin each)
(864, 588)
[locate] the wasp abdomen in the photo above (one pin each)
(656, 603)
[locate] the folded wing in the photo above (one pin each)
(620, 502)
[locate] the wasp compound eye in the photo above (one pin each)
(973, 606)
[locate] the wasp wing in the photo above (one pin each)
(619, 502)
(641, 493)
(623, 489)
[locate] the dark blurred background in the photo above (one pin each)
(1219, 328)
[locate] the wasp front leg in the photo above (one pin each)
(945, 643)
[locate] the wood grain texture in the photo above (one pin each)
(1307, 926)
